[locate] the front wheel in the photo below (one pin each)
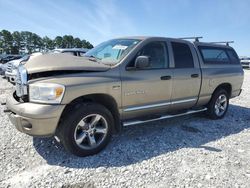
(86, 130)
(218, 104)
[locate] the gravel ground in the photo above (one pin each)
(190, 151)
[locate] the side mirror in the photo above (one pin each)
(142, 62)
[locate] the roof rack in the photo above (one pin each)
(195, 38)
(222, 42)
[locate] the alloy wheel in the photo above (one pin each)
(221, 105)
(91, 131)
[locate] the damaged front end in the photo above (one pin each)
(21, 85)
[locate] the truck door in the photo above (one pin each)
(147, 91)
(186, 75)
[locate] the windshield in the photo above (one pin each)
(112, 51)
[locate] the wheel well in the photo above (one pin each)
(225, 86)
(103, 99)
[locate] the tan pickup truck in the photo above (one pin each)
(82, 101)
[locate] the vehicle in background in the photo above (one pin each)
(1, 69)
(4, 62)
(245, 62)
(6, 58)
(10, 71)
(10, 68)
(72, 51)
(121, 82)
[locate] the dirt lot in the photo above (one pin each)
(190, 151)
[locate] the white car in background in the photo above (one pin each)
(245, 62)
(1, 69)
(11, 66)
(71, 51)
(10, 69)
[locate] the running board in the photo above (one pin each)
(135, 122)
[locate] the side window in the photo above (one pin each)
(217, 55)
(157, 53)
(183, 57)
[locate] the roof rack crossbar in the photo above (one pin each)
(223, 42)
(196, 38)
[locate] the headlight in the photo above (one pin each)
(46, 93)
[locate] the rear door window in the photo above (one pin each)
(183, 57)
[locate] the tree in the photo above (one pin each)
(7, 41)
(77, 43)
(86, 44)
(68, 41)
(17, 39)
(48, 44)
(37, 43)
(28, 42)
(1, 43)
(58, 41)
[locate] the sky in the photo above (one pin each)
(100, 20)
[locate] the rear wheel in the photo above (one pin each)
(86, 130)
(218, 104)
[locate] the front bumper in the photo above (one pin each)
(34, 119)
(11, 76)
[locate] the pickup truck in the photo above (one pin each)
(121, 82)
(245, 62)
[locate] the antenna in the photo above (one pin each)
(223, 42)
(196, 38)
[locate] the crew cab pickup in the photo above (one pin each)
(121, 82)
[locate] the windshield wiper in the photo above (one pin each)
(98, 60)
(93, 58)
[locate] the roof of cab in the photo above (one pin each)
(178, 39)
(212, 44)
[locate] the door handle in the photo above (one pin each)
(194, 75)
(166, 77)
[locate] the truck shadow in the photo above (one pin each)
(142, 142)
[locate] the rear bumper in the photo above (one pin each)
(246, 65)
(34, 119)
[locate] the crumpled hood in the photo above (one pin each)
(60, 62)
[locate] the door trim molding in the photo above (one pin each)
(158, 105)
(183, 101)
(146, 106)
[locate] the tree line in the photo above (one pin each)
(28, 42)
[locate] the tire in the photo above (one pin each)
(80, 128)
(218, 105)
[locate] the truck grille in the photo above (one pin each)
(21, 81)
(9, 67)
